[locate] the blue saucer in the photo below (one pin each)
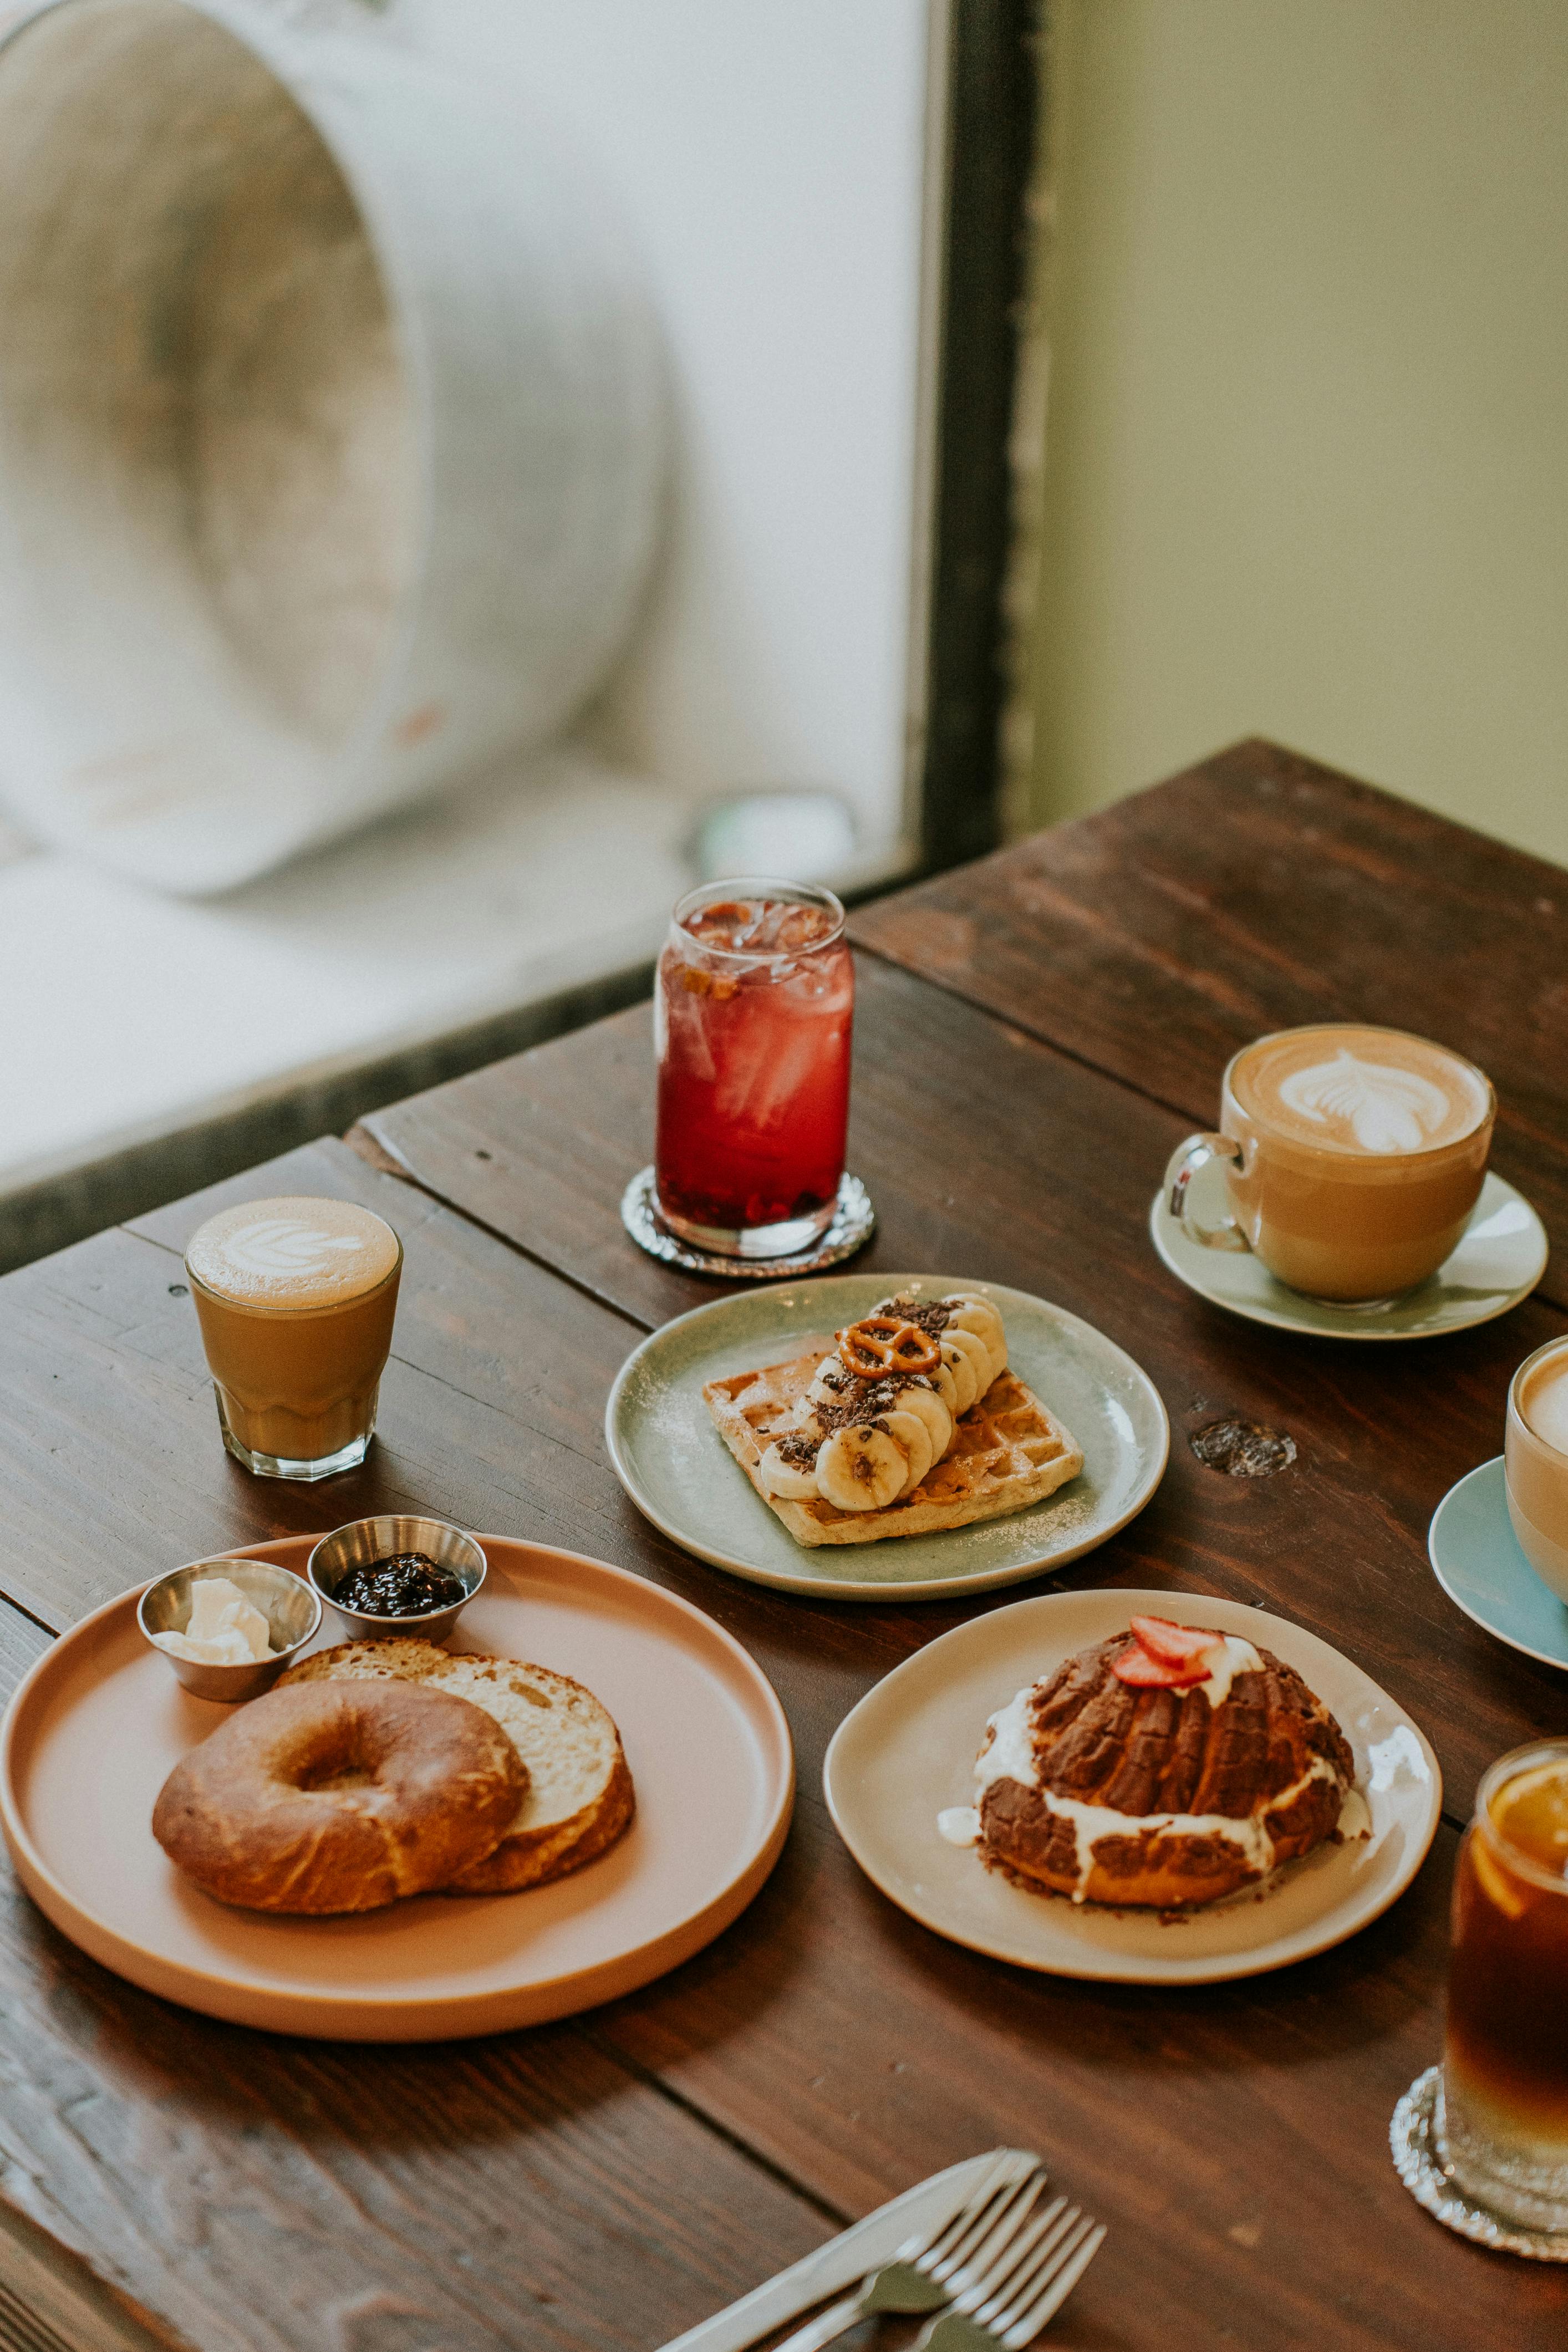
(1477, 1559)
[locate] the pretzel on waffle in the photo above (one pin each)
(1010, 1449)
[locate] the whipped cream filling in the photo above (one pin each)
(960, 1824)
(1010, 1755)
(1233, 1657)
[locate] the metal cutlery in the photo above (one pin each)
(1022, 2287)
(917, 2212)
(973, 2255)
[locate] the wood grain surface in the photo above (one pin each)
(846, 2047)
(605, 2182)
(1255, 892)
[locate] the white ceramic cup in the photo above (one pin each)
(1535, 1470)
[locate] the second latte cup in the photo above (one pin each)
(1354, 1157)
(1535, 1463)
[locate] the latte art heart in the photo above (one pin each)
(1386, 1109)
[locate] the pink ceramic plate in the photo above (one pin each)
(98, 1723)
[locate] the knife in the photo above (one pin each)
(843, 2260)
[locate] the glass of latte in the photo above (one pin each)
(1353, 1159)
(295, 1298)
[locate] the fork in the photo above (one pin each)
(1006, 2307)
(916, 2280)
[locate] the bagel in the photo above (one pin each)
(580, 1797)
(334, 1797)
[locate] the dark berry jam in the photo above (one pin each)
(404, 1584)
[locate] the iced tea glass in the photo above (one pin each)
(1502, 2123)
(752, 1020)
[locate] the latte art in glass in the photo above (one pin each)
(285, 1245)
(295, 1298)
(1385, 1109)
(293, 1253)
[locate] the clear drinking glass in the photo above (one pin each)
(753, 1015)
(1502, 2119)
(295, 1298)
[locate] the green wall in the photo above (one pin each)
(1307, 439)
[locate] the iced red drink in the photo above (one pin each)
(1504, 2125)
(752, 1014)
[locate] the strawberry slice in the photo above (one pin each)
(1173, 1644)
(1136, 1666)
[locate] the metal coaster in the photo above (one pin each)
(854, 1222)
(1412, 2138)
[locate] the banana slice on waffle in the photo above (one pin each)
(913, 1422)
(882, 1408)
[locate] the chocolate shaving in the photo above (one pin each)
(867, 1400)
(858, 1404)
(931, 1317)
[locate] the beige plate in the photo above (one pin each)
(907, 1750)
(98, 1723)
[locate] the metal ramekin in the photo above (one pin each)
(362, 1540)
(293, 1610)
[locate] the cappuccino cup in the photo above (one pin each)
(1535, 1461)
(1353, 1159)
(295, 1298)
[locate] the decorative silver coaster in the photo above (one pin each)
(854, 1222)
(1412, 2138)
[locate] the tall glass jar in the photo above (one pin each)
(753, 1015)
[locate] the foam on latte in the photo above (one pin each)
(1543, 1400)
(293, 1253)
(1363, 1090)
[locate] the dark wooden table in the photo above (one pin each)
(1058, 1016)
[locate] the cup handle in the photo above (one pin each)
(1186, 1161)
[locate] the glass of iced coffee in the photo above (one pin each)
(1502, 2121)
(295, 1298)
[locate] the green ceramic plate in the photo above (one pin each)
(1499, 1260)
(676, 1467)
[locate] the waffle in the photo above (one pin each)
(1010, 1449)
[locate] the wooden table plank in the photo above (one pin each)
(1050, 1193)
(1254, 892)
(849, 2047)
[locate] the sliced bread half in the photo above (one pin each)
(580, 1796)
